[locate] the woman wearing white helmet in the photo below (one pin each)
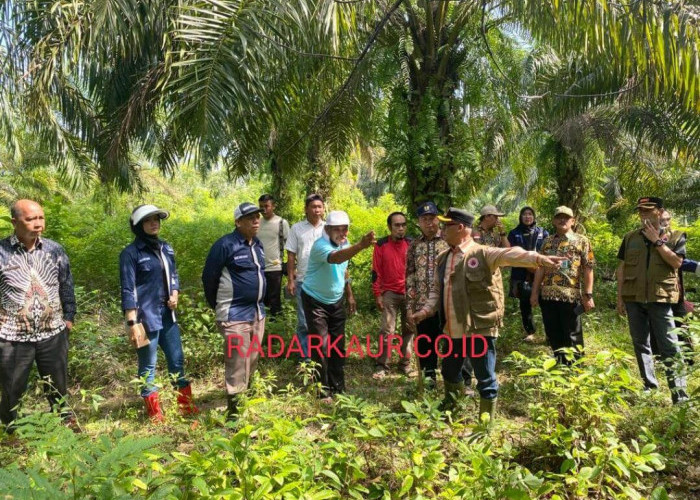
(150, 287)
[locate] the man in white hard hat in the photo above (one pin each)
(323, 295)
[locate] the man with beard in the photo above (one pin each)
(323, 296)
(389, 288)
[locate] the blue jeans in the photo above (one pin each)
(655, 318)
(168, 338)
(302, 328)
(484, 366)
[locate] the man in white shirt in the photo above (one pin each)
(273, 233)
(302, 236)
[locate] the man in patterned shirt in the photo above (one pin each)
(421, 259)
(490, 231)
(37, 307)
(558, 291)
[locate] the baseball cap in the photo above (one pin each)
(427, 208)
(457, 215)
(650, 202)
(143, 211)
(563, 210)
(491, 210)
(244, 209)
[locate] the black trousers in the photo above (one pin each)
(524, 290)
(273, 293)
(16, 360)
(562, 326)
(427, 332)
(326, 324)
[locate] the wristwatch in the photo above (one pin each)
(130, 322)
(659, 242)
(588, 295)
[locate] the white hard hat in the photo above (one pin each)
(144, 211)
(337, 218)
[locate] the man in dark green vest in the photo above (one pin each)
(647, 287)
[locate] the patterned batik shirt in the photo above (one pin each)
(490, 238)
(36, 290)
(421, 261)
(564, 284)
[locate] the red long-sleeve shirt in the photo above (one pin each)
(389, 266)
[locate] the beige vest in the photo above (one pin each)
(657, 282)
(477, 293)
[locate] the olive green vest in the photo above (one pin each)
(655, 282)
(477, 293)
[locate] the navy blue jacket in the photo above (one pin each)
(234, 278)
(141, 277)
(517, 239)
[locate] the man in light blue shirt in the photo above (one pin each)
(323, 294)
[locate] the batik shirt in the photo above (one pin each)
(491, 238)
(421, 262)
(564, 284)
(36, 290)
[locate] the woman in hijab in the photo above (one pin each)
(150, 287)
(530, 237)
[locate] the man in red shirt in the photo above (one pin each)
(389, 286)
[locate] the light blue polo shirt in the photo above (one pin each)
(324, 281)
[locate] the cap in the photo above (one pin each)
(650, 202)
(337, 218)
(244, 209)
(563, 210)
(427, 208)
(457, 215)
(491, 210)
(143, 211)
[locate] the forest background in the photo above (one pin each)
(197, 106)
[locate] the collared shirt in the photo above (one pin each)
(490, 238)
(421, 261)
(273, 235)
(143, 276)
(325, 281)
(234, 278)
(389, 265)
(495, 258)
(564, 284)
(36, 290)
(301, 237)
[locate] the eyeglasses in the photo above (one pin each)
(400, 224)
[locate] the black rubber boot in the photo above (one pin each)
(452, 394)
(231, 407)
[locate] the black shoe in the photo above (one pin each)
(231, 407)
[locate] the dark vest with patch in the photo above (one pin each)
(477, 293)
(647, 276)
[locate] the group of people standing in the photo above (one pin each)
(444, 283)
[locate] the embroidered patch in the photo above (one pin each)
(473, 263)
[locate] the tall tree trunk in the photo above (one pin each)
(571, 185)
(319, 179)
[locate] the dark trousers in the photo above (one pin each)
(427, 332)
(16, 360)
(684, 336)
(484, 366)
(273, 293)
(326, 323)
(562, 326)
(524, 290)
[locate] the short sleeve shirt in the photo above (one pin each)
(564, 284)
(302, 236)
(324, 281)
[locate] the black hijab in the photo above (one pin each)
(150, 240)
(528, 231)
